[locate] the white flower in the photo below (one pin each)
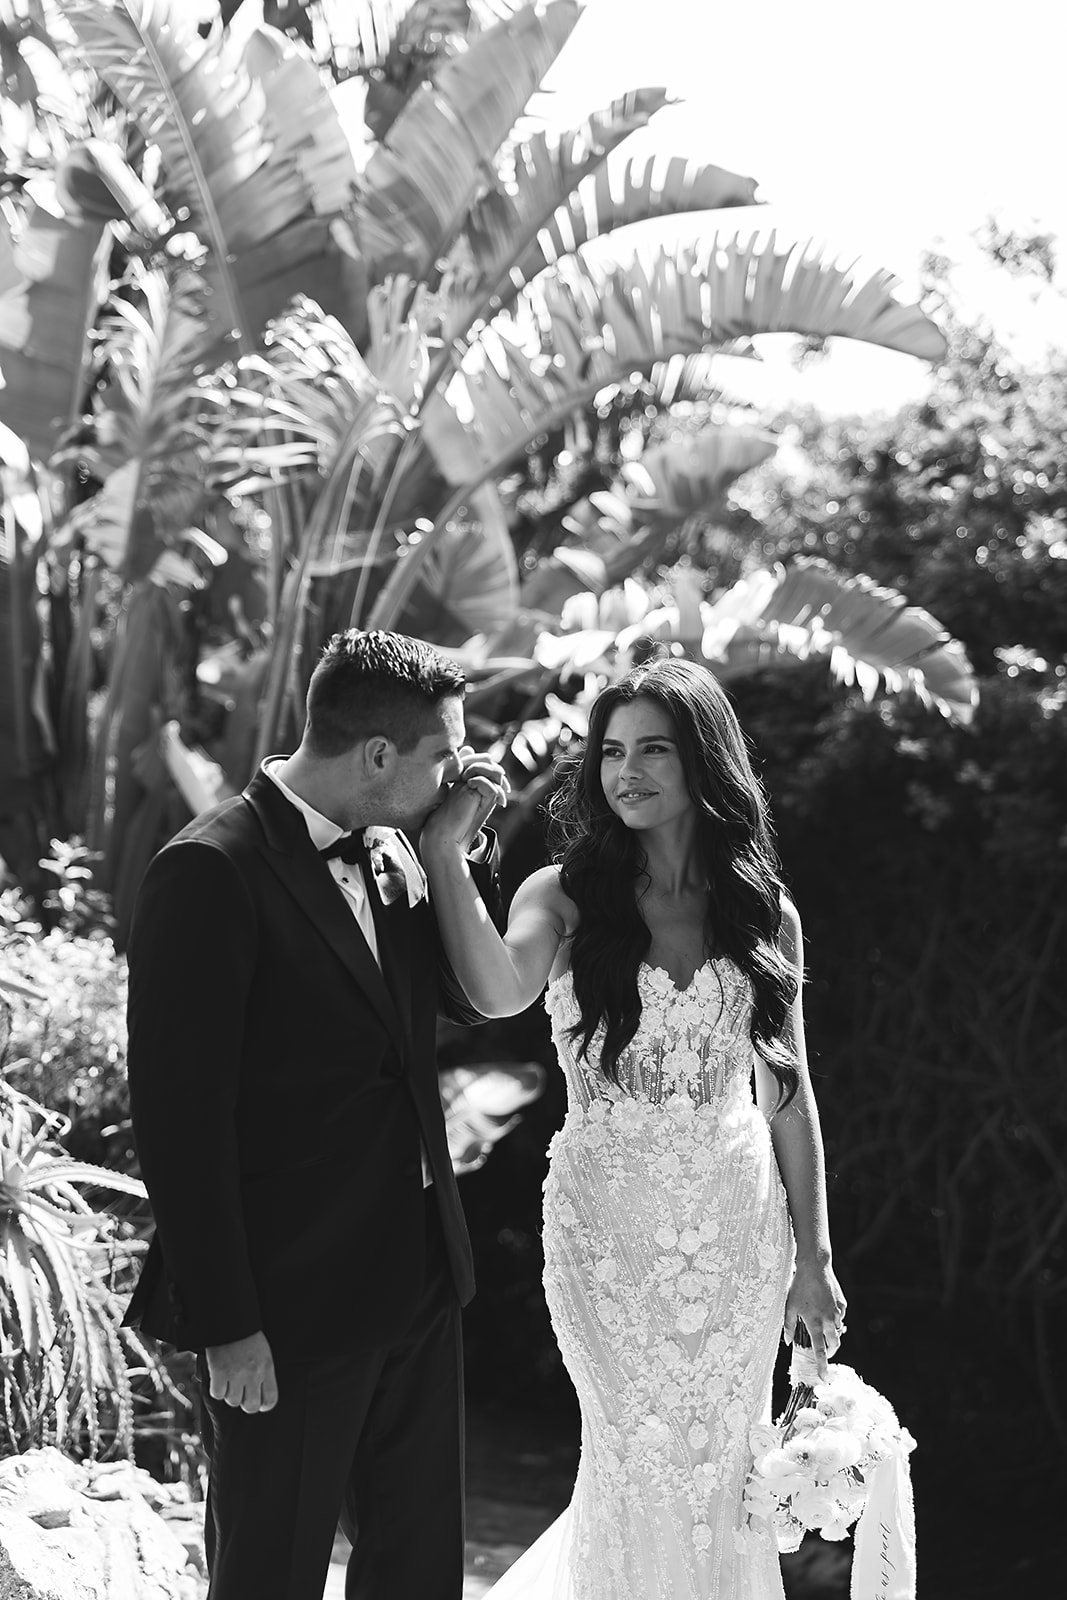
(778, 1465)
(832, 1450)
(673, 1394)
(690, 1284)
(698, 1436)
(692, 1318)
(709, 1230)
(608, 1312)
(666, 1237)
(565, 1213)
(701, 1535)
(689, 1241)
(761, 1438)
(606, 1270)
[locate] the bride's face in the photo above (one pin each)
(641, 769)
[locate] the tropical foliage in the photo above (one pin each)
(324, 288)
(64, 1358)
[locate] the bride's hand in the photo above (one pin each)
(470, 801)
(815, 1298)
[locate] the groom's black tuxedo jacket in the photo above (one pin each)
(279, 1084)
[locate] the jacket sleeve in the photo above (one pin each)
(484, 862)
(192, 950)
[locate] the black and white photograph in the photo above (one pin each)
(533, 800)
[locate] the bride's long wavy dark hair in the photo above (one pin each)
(601, 861)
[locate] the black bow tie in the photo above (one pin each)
(350, 847)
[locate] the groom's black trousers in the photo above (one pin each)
(372, 1438)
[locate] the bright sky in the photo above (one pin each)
(880, 130)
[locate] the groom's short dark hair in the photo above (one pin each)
(376, 683)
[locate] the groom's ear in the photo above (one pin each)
(379, 754)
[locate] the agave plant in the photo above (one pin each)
(65, 1361)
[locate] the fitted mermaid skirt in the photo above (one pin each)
(668, 1254)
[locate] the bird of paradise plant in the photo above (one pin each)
(447, 316)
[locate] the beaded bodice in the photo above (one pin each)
(691, 1043)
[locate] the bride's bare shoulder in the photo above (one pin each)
(543, 892)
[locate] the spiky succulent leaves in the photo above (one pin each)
(63, 1375)
(421, 182)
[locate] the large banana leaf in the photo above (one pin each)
(539, 175)
(52, 280)
(420, 184)
(471, 580)
(686, 476)
(250, 147)
(311, 404)
(870, 634)
(42, 104)
(147, 452)
(620, 530)
(590, 326)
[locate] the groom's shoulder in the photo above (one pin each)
(228, 824)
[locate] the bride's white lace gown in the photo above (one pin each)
(668, 1254)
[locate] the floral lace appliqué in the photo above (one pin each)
(668, 1254)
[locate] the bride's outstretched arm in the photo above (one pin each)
(815, 1295)
(499, 974)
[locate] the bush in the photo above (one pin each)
(68, 1051)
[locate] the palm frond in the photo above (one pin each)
(422, 181)
(593, 325)
(499, 239)
(870, 634)
(645, 188)
(589, 326)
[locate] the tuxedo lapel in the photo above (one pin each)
(290, 854)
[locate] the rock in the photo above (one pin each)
(34, 1568)
(72, 1532)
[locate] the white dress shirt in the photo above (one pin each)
(349, 879)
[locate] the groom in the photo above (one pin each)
(285, 979)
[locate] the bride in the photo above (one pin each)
(684, 1210)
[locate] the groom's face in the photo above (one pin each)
(421, 775)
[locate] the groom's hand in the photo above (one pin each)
(242, 1374)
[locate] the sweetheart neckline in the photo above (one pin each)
(649, 967)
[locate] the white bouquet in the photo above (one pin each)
(837, 1455)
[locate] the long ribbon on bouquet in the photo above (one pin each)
(883, 1560)
(883, 1563)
